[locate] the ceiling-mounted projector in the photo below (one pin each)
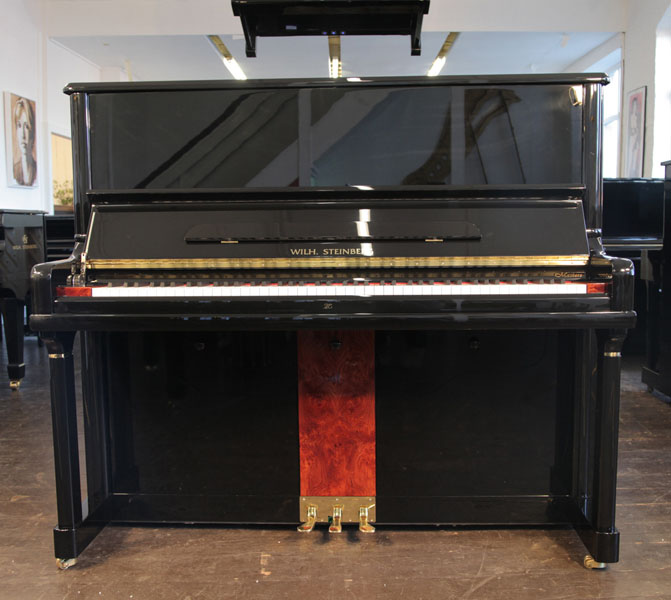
(273, 18)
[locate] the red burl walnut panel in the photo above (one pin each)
(336, 412)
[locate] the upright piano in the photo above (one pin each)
(372, 303)
(633, 227)
(21, 248)
(656, 372)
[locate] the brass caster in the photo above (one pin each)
(66, 563)
(309, 524)
(14, 384)
(590, 563)
(336, 522)
(364, 525)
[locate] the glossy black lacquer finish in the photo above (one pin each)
(489, 410)
(59, 234)
(633, 214)
(657, 369)
(633, 226)
(474, 229)
(21, 247)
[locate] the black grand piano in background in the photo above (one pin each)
(633, 227)
(21, 248)
(273, 278)
(656, 372)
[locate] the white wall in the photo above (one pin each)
(643, 17)
(198, 17)
(599, 58)
(661, 151)
(21, 63)
(32, 67)
(63, 67)
(526, 15)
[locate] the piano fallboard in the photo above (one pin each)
(206, 236)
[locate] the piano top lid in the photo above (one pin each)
(279, 18)
(252, 84)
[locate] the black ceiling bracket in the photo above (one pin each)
(279, 18)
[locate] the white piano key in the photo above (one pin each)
(350, 290)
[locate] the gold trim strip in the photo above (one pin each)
(340, 262)
(349, 508)
(612, 354)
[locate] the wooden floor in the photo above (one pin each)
(197, 563)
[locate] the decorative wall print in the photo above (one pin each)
(20, 144)
(635, 135)
(61, 173)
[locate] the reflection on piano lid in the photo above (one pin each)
(212, 236)
(362, 230)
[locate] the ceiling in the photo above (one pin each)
(191, 57)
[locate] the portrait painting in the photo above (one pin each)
(635, 133)
(20, 144)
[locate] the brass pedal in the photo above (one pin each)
(364, 525)
(336, 523)
(311, 519)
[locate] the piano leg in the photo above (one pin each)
(13, 322)
(72, 534)
(601, 537)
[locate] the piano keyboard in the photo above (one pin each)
(309, 290)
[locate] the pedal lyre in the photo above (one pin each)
(311, 519)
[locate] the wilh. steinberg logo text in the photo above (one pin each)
(324, 251)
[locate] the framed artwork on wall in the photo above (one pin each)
(20, 143)
(61, 173)
(635, 134)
